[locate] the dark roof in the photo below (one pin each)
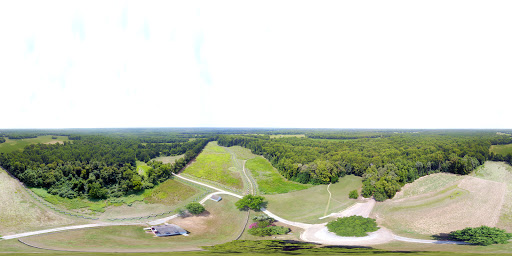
(168, 230)
(216, 198)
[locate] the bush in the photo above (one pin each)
(250, 202)
(269, 231)
(264, 246)
(352, 226)
(195, 208)
(353, 194)
(481, 236)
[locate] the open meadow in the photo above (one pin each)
(17, 144)
(168, 159)
(221, 222)
(501, 149)
(21, 213)
(215, 163)
(310, 204)
(268, 178)
(440, 203)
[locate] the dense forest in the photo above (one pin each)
(98, 166)
(2, 139)
(385, 162)
(100, 163)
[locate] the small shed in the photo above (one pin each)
(168, 230)
(216, 198)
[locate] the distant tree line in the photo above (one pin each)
(385, 163)
(2, 139)
(96, 166)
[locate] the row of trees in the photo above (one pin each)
(386, 163)
(96, 166)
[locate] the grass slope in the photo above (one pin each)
(12, 145)
(222, 223)
(21, 213)
(268, 178)
(438, 203)
(215, 163)
(309, 204)
(500, 172)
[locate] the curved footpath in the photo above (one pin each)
(316, 233)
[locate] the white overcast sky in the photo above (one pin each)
(332, 64)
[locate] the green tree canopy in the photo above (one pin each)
(483, 235)
(250, 202)
(195, 208)
(352, 226)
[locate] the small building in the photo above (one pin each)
(168, 230)
(216, 198)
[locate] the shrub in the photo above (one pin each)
(352, 226)
(264, 246)
(481, 236)
(195, 208)
(250, 202)
(353, 194)
(269, 231)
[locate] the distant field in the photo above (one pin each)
(440, 204)
(241, 153)
(277, 136)
(501, 149)
(168, 159)
(215, 163)
(20, 213)
(310, 204)
(221, 223)
(11, 145)
(163, 197)
(268, 178)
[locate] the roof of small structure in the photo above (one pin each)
(216, 198)
(168, 230)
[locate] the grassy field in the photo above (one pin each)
(241, 153)
(151, 201)
(168, 159)
(268, 178)
(215, 163)
(500, 172)
(142, 168)
(21, 213)
(501, 149)
(11, 145)
(221, 223)
(438, 204)
(310, 204)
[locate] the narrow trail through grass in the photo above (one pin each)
(329, 201)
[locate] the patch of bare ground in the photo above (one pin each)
(20, 213)
(470, 202)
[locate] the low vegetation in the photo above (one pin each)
(352, 226)
(261, 246)
(481, 236)
(216, 164)
(353, 194)
(264, 225)
(268, 178)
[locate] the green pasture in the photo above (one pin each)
(12, 145)
(142, 168)
(215, 163)
(501, 149)
(221, 223)
(268, 178)
(310, 204)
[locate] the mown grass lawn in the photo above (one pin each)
(216, 164)
(268, 178)
(310, 204)
(221, 223)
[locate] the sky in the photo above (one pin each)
(290, 64)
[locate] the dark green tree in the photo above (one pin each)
(483, 235)
(250, 202)
(195, 208)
